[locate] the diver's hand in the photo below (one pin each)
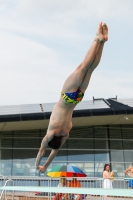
(42, 168)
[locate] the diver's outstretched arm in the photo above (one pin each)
(44, 144)
(41, 151)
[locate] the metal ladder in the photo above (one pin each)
(3, 193)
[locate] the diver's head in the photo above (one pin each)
(55, 143)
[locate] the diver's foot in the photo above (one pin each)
(105, 32)
(99, 34)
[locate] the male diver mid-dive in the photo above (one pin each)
(72, 93)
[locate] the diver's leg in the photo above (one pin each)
(96, 61)
(88, 74)
(74, 81)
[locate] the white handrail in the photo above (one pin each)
(4, 191)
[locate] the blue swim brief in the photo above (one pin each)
(130, 183)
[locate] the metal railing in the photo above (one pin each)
(87, 182)
(3, 193)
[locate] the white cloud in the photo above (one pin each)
(18, 52)
(109, 84)
(75, 8)
(57, 18)
(28, 70)
(43, 41)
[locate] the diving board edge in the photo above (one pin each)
(91, 191)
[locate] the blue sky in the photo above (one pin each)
(42, 42)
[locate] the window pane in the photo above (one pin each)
(61, 156)
(128, 156)
(115, 144)
(118, 169)
(74, 155)
(5, 142)
(115, 133)
(89, 169)
(101, 144)
(27, 133)
(43, 132)
(100, 132)
(24, 167)
(5, 167)
(24, 154)
(128, 145)
(117, 156)
(80, 143)
(127, 133)
(99, 166)
(6, 154)
(6, 134)
(81, 132)
(102, 156)
(127, 126)
(26, 143)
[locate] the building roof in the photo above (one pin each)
(90, 108)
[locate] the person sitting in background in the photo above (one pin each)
(62, 183)
(75, 183)
(129, 173)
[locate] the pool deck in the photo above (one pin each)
(31, 196)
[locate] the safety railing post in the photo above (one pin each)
(4, 191)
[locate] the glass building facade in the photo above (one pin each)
(89, 148)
